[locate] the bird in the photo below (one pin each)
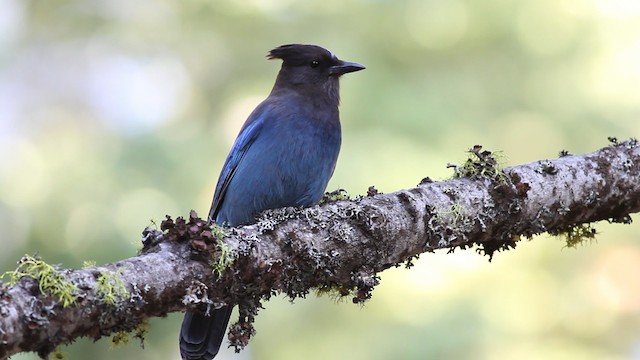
(284, 156)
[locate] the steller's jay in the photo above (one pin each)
(284, 156)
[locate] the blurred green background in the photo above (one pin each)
(113, 113)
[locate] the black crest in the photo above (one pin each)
(299, 54)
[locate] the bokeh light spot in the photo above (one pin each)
(520, 127)
(436, 24)
(614, 279)
(134, 94)
(24, 177)
(615, 74)
(86, 226)
(12, 20)
(618, 9)
(544, 27)
(236, 113)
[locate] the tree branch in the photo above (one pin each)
(338, 246)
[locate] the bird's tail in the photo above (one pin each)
(201, 336)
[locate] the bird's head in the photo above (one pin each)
(311, 65)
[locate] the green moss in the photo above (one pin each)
(577, 235)
(57, 354)
(333, 196)
(50, 281)
(336, 293)
(119, 339)
(226, 257)
(122, 337)
(219, 232)
(88, 264)
(481, 163)
(111, 288)
(223, 253)
(141, 331)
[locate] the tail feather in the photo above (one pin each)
(201, 336)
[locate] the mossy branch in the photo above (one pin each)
(51, 282)
(339, 246)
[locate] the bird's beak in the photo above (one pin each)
(343, 67)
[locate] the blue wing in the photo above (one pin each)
(247, 136)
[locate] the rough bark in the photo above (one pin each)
(339, 246)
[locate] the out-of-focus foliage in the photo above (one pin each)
(114, 113)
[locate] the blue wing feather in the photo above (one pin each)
(247, 136)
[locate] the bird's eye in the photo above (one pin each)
(314, 63)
